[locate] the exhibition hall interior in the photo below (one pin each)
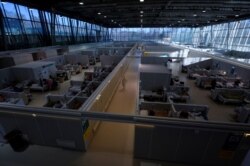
(125, 83)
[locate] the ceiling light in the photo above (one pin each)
(215, 20)
(111, 20)
(141, 15)
(195, 15)
(141, 0)
(105, 16)
(236, 15)
(99, 13)
(115, 22)
(81, 3)
(179, 21)
(141, 11)
(208, 21)
(204, 11)
(183, 19)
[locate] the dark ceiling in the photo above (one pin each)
(156, 13)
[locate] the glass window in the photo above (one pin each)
(14, 26)
(48, 17)
(34, 14)
(28, 27)
(24, 12)
(9, 9)
(38, 27)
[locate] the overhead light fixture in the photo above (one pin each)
(204, 11)
(195, 15)
(236, 15)
(247, 134)
(99, 13)
(105, 16)
(141, 0)
(179, 21)
(215, 20)
(81, 3)
(183, 19)
(141, 15)
(141, 20)
(208, 21)
(112, 20)
(141, 11)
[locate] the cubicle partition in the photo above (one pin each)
(154, 77)
(77, 57)
(154, 60)
(193, 143)
(62, 127)
(240, 71)
(100, 100)
(198, 63)
(34, 71)
(6, 77)
(108, 60)
(191, 139)
(46, 127)
(160, 48)
(113, 50)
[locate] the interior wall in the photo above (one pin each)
(21, 74)
(6, 62)
(49, 130)
(59, 60)
(154, 81)
(240, 71)
(80, 47)
(207, 64)
(22, 58)
(50, 52)
(5, 77)
(77, 57)
(190, 145)
(154, 60)
(107, 60)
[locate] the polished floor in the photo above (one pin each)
(111, 146)
(113, 142)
